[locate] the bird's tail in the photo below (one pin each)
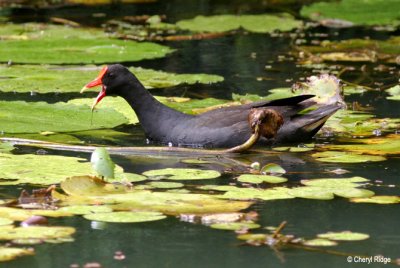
(304, 126)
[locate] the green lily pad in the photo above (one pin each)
(233, 192)
(260, 178)
(48, 79)
(394, 93)
(84, 209)
(40, 232)
(125, 216)
(354, 50)
(60, 44)
(336, 183)
(272, 168)
(344, 236)
(183, 174)
(24, 117)
(346, 157)
(5, 221)
(319, 242)
(293, 149)
(11, 253)
(40, 169)
(378, 199)
(165, 184)
(89, 190)
(131, 177)
(254, 23)
(359, 12)
(235, 226)
(326, 188)
(388, 145)
(254, 238)
(17, 214)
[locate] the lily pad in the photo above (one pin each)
(49, 79)
(88, 190)
(183, 174)
(5, 221)
(260, 178)
(40, 232)
(84, 209)
(354, 50)
(378, 199)
(24, 117)
(124, 216)
(254, 23)
(235, 226)
(233, 192)
(336, 183)
(376, 147)
(344, 236)
(293, 149)
(165, 184)
(346, 157)
(272, 168)
(319, 242)
(40, 169)
(11, 253)
(17, 214)
(327, 193)
(359, 12)
(60, 44)
(394, 93)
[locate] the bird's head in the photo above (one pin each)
(112, 79)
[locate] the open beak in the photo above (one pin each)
(97, 82)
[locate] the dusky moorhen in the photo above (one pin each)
(223, 127)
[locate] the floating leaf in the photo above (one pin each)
(378, 199)
(24, 117)
(388, 145)
(312, 193)
(233, 192)
(254, 238)
(11, 253)
(40, 169)
(354, 50)
(293, 149)
(336, 183)
(394, 93)
(60, 44)
(46, 79)
(260, 178)
(40, 232)
(346, 157)
(6, 147)
(83, 209)
(319, 242)
(165, 184)
(102, 163)
(360, 12)
(272, 168)
(183, 173)
(195, 161)
(89, 190)
(253, 23)
(122, 216)
(344, 236)
(235, 226)
(6, 221)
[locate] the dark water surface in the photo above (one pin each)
(172, 243)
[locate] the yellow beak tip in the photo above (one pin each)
(84, 89)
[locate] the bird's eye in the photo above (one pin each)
(111, 75)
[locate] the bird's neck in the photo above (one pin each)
(155, 118)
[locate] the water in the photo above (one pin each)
(172, 243)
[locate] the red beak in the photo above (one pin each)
(97, 82)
